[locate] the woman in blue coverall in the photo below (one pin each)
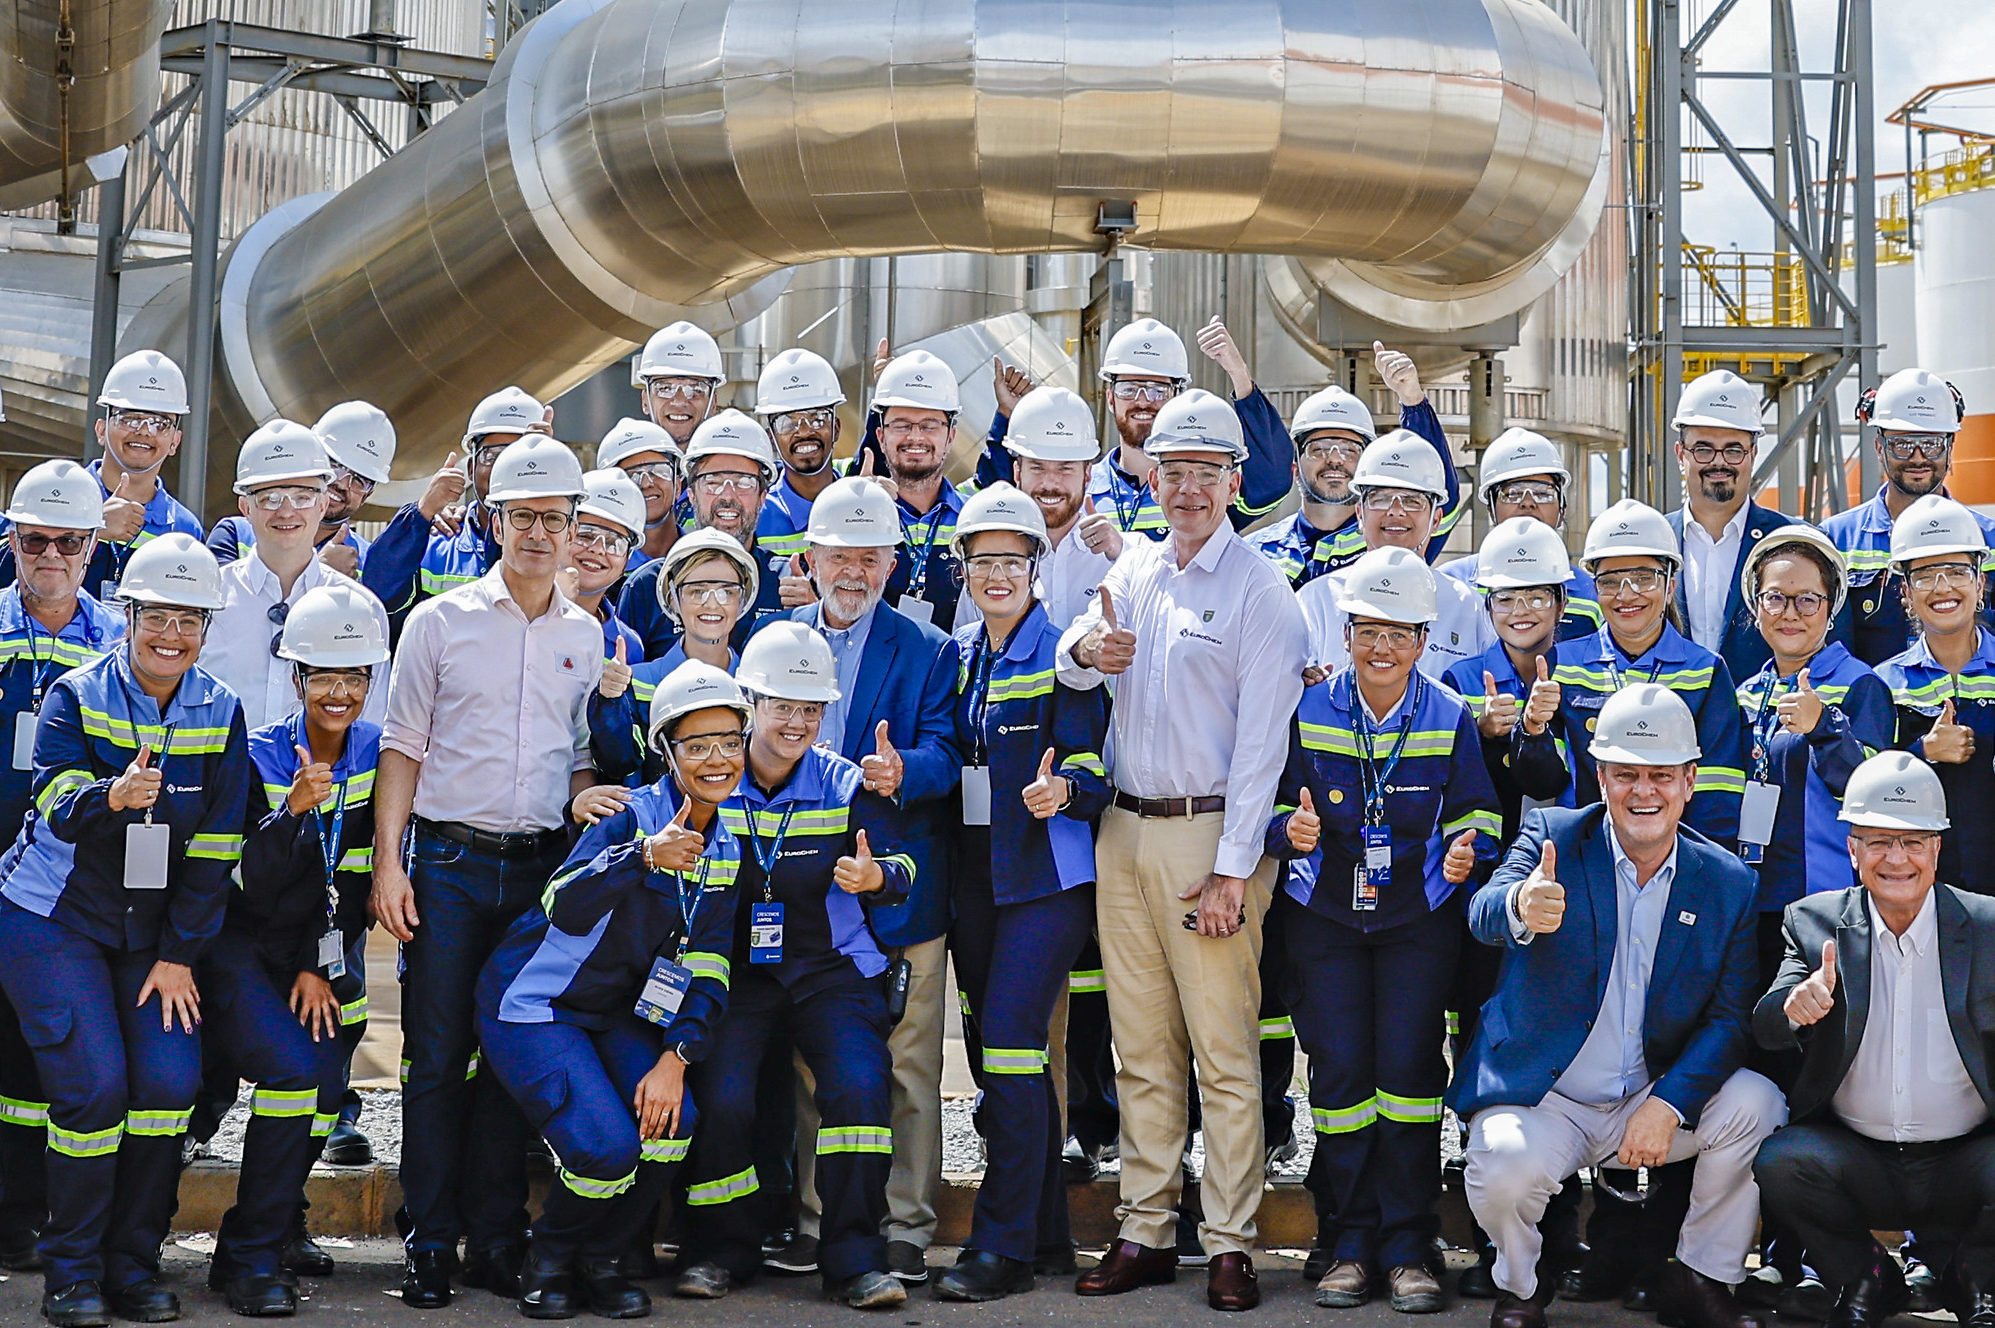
(112, 894)
(598, 999)
(285, 1008)
(1023, 884)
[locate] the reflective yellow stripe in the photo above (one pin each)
(185, 740)
(596, 1189)
(19, 1111)
(1088, 762)
(158, 1123)
(1014, 1060)
(1720, 779)
(1408, 1110)
(705, 964)
(60, 787)
(725, 1190)
(1490, 823)
(1273, 1030)
(323, 1122)
(1086, 980)
(664, 1150)
(221, 848)
(73, 1143)
(1344, 1120)
(283, 1103)
(854, 1139)
(354, 1012)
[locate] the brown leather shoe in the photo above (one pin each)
(1230, 1283)
(1415, 1290)
(1688, 1299)
(1346, 1285)
(1517, 1312)
(1125, 1267)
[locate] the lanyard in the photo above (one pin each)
(1372, 780)
(34, 657)
(1125, 513)
(982, 661)
(329, 846)
(688, 911)
(768, 864)
(919, 550)
(1765, 720)
(1614, 666)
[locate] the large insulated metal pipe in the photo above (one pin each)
(631, 157)
(113, 58)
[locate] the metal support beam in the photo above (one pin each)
(206, 246)
(104, 301)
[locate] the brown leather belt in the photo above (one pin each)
(1166, 807)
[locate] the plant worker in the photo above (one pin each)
(797, 397)
(1524, 474)
(359, 440)
(679, 374)
(647, 454)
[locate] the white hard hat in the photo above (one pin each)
(1332, 408)
(1390, 584)
(1933, 525)
(1402, 459)
(1895, 791)
(614, 496)
(1516, 453)
(680, 351)
(631, 438)
(1786, 537)
(58, 494)
(145, 380)
(1147, 349)
(1196, 421)
(787, 661)
(1522, 551)
(1052, 424)
(535, 466)
(732, 433)
(508, 410)
(1719, 400)
(333, 627)
(694, 686)
(854, 513)
(1630, 529)
(1000, 507)
(1913, 401)
(360, 437)
(1645, 724)
(687, 548)
(919, 380)
(281, 450)
(797, 379)
(175, 569)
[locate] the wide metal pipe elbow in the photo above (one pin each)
(115, 63)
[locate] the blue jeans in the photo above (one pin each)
(463, 1137)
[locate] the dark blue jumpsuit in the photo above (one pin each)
(1920, 688)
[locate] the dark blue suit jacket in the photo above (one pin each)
(1742, 648)
(907, 676)
(1694, 1029)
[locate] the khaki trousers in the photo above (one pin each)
(1174, 995)
(916, 1046)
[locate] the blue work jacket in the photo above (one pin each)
(1873, 619)
(1920, 689)
(30, 659)
(1466, 677)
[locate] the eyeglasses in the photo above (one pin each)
(601, 537)
(1931, 446)
(173, 622)
(1950, 575)
(1338, 451)
(726, 481)
(1151, 392)
(689, 388)
(333, 682)
(142, 422)
(1526, 494)
(1808, 604)
(68, 544)
(792, 420)
(347, 479)
(1193, 474)
(1506, 602)
(484, 454)
(1368, 637)
(1910, 844)
(657, 472)
(1642, 581)
(715, 593)
(526, 518)
(900, 430)
(991, 566)
(785, 711)
(699, 749)
(1396, 500)
(275, 500)
(1733, 453)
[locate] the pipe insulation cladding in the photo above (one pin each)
(113, 58)
(631, 158)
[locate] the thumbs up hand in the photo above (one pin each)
(1499, 709)
(794, 585)
(869, 469)
(1460, 859)
(124, 516)
(1398, 372)
(1046, 795)
(883, 355)
(884, 769)
(1543, 702)
(1099, 532)
(1305, 827)
(1801, 709)
(311, 786)
(1109, 648)
(1008, 384)
(1541, 900)
(678, 846)
(616, 673)
(858, 874)
(138, 788)
(1948, 741)
(1815, 995)
(444, 488)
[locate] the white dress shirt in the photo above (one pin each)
(1906, 1084)
(496, 707)
(1460, 631)
(1204, 709)
(1710, 567)
(238, 646)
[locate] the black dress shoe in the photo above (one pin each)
(982, 1275)
(496, 1268)
(303, 1256)
(426, 1279)
(78, 1305)
(346, 1146)
(1686, 1298)
(547, 1290)
(1806, 1299)
(146, 1301)
(1871, 1299)
(260, 1296)
(20, 1251)
(611, 1295)
(1478, 1280)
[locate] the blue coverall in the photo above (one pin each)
(1920, 688)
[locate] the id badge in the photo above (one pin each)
(765, 933)
(146, 848)
(976, 795)
(1375, 873)
(1756, 812)
(108, 592)
(332, 954)
(664, 991)
(913, 606)
(24, 739)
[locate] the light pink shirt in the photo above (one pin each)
(494, 706)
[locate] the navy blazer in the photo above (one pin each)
(907, 676)
(1742, 648)
(1694, 1029)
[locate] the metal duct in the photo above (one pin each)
(115, 62)
(630, 157)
